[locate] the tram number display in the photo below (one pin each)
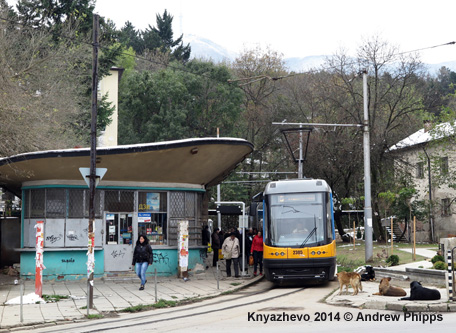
(307, 197)
(296, 252)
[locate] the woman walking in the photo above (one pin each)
(142, 258)
(257, 250)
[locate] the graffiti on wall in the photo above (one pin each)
(52, 238)
(71, 260)
(117, 254)
(159, 258)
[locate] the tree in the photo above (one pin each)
(395, 109)
(254, 70)
(161, 38)
(130, 37)
(177, 102)
(39, 97)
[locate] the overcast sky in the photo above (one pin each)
(299, 28)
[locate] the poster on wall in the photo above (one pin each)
(153, 201)
(144, 217)
(182, 247)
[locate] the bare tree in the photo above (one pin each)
(41, 99)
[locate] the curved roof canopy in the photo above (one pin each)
(204, 162)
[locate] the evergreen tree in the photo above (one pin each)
(161, 38)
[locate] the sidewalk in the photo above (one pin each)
(111, 295)
(367, 300)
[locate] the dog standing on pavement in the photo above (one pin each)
(385, 289)
(420, 293)
(349, 278)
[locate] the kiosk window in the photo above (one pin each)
(119, 229)
(152, 216)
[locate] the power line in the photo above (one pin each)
(272, 78)
(104, 47)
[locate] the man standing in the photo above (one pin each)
(206, 236)
(215, 246)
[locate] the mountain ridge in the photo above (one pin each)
(205, 49)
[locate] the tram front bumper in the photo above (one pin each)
(315, 269)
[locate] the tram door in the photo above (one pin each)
(118, 242)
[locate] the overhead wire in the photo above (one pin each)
(104, 47)
(250, 80)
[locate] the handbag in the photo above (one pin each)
(250, 260)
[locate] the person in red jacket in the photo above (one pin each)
(257, 250)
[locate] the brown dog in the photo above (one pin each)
(385, 289)
(349, 278)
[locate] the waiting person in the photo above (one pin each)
(257, 251)
(206, 237)
(215, 246)
(142, 257)
(231, 252)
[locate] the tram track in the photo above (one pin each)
(178, 313)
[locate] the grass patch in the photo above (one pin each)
(160, 304)
(95, 316)
(174, 297)
(235, 284)
(137, 308)
(53, 298)
(349, 258)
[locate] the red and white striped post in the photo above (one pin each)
(39, 258)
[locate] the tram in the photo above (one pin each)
(299, 235)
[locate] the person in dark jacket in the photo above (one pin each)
(215, 246)
(206, 237)
(142, 257)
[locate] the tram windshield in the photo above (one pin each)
(296, 219)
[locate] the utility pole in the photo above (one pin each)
(367, 175)
(93, 156)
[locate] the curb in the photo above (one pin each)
(36, 325)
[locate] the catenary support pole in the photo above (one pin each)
(367, 176)
(93, 156)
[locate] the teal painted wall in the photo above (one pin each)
(62, 265)
(72, 265)
(165, 261)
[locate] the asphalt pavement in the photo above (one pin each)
(111, 294)
(116, 293)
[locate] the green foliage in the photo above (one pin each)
(136, 308)
(53, 298)
(162, 303)
(440, 265)
(437, 258)
(159, 38)
(94, 316)
(393, 260)
(173, 104)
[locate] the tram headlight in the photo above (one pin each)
(312, 253)
(277, 254)
(319, 252)
(282, 253)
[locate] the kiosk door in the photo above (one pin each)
(118, 244)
